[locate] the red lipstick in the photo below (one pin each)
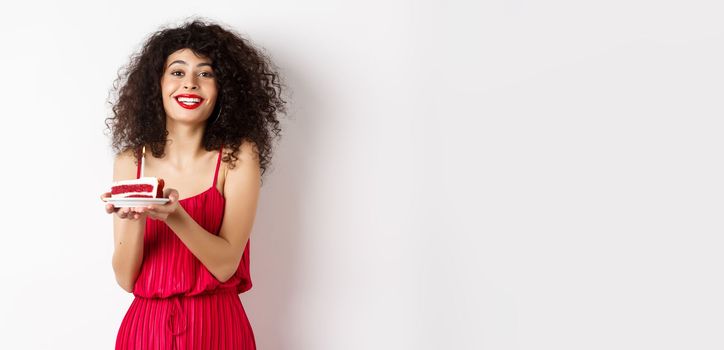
(188, 101)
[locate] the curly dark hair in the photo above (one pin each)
(248, 102)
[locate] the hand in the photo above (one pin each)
(161, 212)
(123, 213)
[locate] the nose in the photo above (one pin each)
(190, 83)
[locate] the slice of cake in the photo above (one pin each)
(145, 187)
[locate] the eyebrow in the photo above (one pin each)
(184, 62)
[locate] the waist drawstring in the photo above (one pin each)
(176, 316)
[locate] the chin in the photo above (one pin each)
(186, 120)
(189, 116)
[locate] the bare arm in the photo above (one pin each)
(128, 232)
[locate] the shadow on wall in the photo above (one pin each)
(276, 244)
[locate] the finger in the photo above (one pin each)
(171, 194)
(109, 208)
(150, 214)
(159, 210)
(153, 214)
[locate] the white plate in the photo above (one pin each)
(134, 202)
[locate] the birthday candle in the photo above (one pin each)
(143, 159)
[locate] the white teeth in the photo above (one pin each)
(189, 99)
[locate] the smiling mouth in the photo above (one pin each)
(189, 102)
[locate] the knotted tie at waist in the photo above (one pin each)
(176, 321)
(176, 316)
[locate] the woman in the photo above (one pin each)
(204, 103)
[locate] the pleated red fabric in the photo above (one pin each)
(178, 303)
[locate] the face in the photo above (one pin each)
(188, 87)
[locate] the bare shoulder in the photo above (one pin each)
(247, 154)
(124, 166)
(245, 175)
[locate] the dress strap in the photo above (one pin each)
(138, 168)
(218, 162)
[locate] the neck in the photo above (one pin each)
(184, 144)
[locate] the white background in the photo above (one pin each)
(499, 175)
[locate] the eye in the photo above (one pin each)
(177, 73)
(207, 74)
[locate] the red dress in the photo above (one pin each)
(178, 303)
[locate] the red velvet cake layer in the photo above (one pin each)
(131, 188)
